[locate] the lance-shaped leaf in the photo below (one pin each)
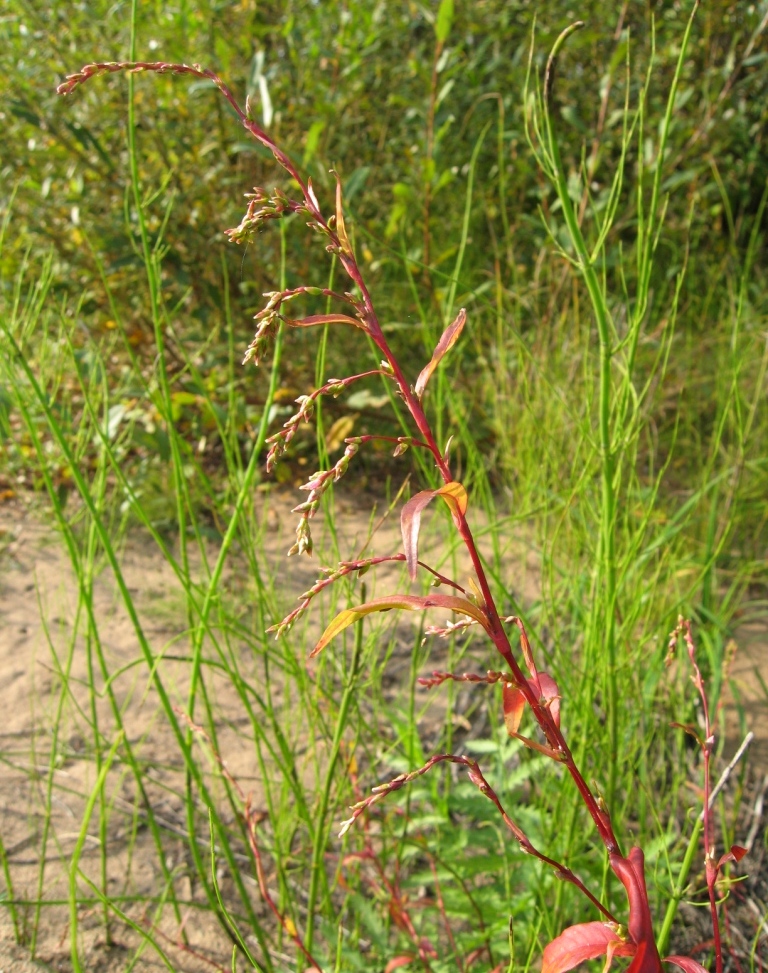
(405, 602)
(577, 944)
(397, 962)
(454, 495)
(314, 319)
(447, 340)
(514, 701)
(631, 873)
(341, 230)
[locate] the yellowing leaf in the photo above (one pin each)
(338, 432)
(341, 230)
(447, 340)
(454, 495)
(406, 602)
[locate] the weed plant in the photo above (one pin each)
(407, 883)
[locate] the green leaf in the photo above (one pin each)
(444, 21)
(312, 141)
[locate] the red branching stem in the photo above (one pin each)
(477, 778)
(345, 568)
(438, 678)
(367, 315)
(444, 915)
(399, 440)
(287, 926)
(711, 866)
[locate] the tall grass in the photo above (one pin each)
(625, 507)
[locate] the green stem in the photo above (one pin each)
(680, 886)
(320, 837)
(607, 538)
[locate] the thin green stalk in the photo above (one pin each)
(607, 535)
(78, 850)
(320, 836)
(10, 895)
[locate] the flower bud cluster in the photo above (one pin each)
(279, 442)
(330, 575)
(316, 487)
(261, 208)
(269, 318)
(334, 386)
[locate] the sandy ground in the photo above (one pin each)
(38, 601)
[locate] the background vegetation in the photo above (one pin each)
(126, 314)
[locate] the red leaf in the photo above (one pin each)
(454, 495)
(447, 340)
(579, 943)
(734, 855)
(397, 961)
(631, 873)
(514, 701)
(514, 704)
(410, 523)
(686, 963)
(315, 319)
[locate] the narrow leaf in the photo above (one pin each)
(583, 942)
(315, 319)
(312, 197)
(631, 873)
(448, 339)
(341, 230)
(406, 602)
(444, 21)
(686, 963)
(397, 962)
(454, 495)
(410, 524)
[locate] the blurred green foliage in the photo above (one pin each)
(354, 86)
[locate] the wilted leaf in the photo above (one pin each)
(447, 340)
(686, 963)
(734, 855)
(406, 602)
(338, 432)
(583, 942)
(312, 197)
(454, 495)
